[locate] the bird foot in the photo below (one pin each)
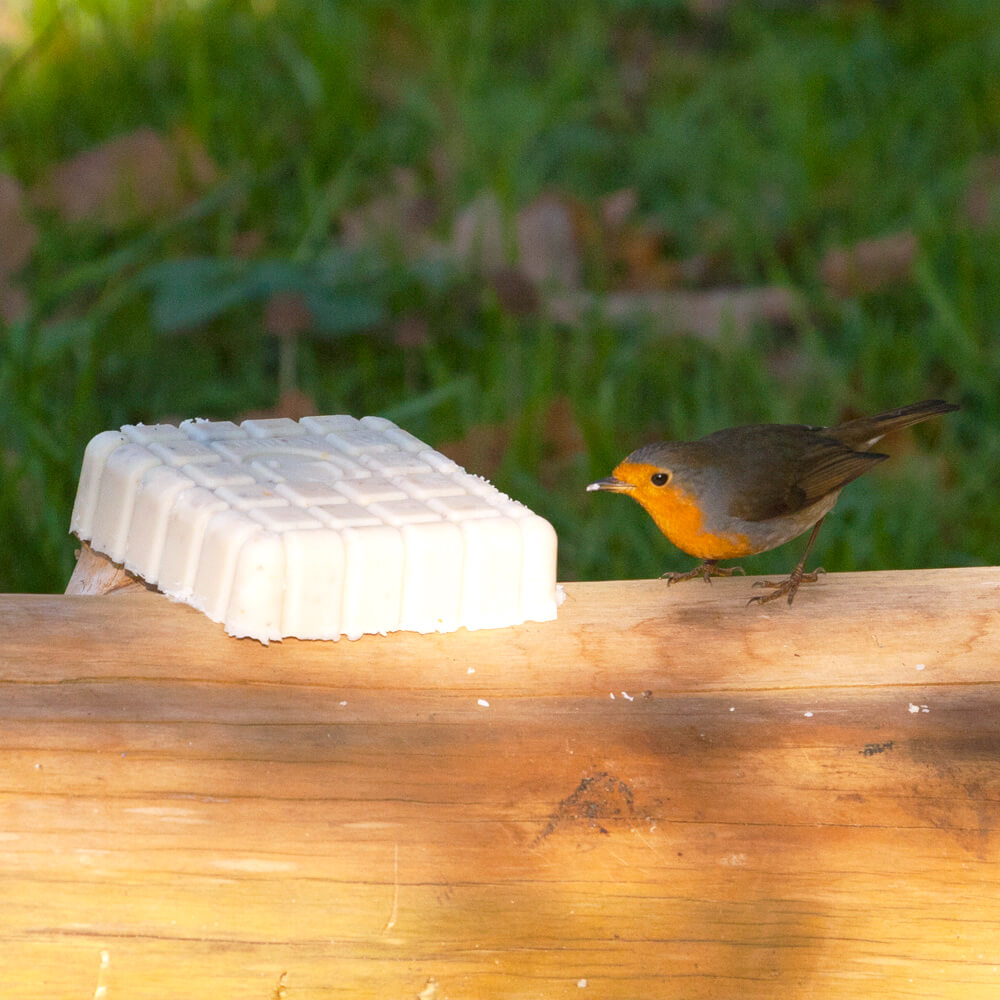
(788, 586)
(706, 571)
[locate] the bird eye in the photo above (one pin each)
(660, 478)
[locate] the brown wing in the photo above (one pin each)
(780, 469)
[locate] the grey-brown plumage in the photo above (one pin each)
(773, 470)
(755, 487)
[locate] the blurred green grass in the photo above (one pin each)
(756, 140)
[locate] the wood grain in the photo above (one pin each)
(662, 794)
(95, 574)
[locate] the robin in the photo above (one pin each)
(750, 489)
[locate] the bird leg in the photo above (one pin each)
(705, 570)
(798, 575)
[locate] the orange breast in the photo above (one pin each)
(678, 515)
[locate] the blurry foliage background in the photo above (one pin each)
(537, 235)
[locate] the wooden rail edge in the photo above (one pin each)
(847, 629)
(664, 793)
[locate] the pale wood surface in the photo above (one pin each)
(775, 803)
(96, 574)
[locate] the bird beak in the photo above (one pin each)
(610, 485)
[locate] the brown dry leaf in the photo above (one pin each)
(982, 198)
(793, 365)
(477, 240)
(638, 249)
(444, 168)
(641, 251)
(127, 179)
(617, 208)
(547, 243)
(18, 234)
(515, 291)
(870, 265)
(482, 450)
(411, 331)
(710, 312)
(703, 270)
(707, 315)
(637, 48)
(403, 216)
(13, 301)
(564, 442)
(247, 243)
(287, 314)
(635, 249)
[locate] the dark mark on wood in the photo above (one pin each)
(598, 801)
(871, 749)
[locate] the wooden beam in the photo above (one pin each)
(663, 793)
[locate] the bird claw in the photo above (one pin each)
(706, 571)
(787, 586)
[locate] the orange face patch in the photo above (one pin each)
(678, 515)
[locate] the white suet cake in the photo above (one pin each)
(324, 527)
